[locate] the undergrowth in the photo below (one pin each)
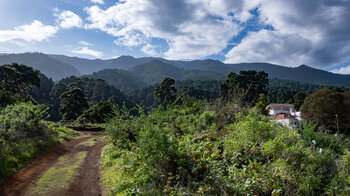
(187, 150)
(24, 135)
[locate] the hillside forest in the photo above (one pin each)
(175, 131)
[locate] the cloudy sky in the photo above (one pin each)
(285, 32)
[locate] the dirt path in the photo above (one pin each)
(71, 168)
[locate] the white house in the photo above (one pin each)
(284, 114)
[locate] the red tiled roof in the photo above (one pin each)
(283, 116)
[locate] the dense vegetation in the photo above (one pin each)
(183, 150)
(245, 86)
(98, 113)
(120, 79)
(277, 91)
(197, 137)
(94, 90)
(15, 81)
(73, 104)
(222, 147)
(24, 135)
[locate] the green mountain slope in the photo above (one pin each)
(51, 67)
(152, 70)
(85, 66)
(120, 79)
(302, 73)
(127, 62)
(155, 71)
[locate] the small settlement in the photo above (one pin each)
(284, 114)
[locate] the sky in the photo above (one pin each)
(284, 32)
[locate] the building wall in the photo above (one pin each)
(288, 122)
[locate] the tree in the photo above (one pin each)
(98, 113)
(347, 109)
(261, 105)
(41, 94)
(95, 90)
(165, 92)
(18, 78)
(73, 104)
(325, 107)
(246, 86)
(15, 82)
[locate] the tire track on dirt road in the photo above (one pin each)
(85, 178)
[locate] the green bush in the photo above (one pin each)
(24, 135)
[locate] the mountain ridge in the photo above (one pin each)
(60, 66)
(51, 67)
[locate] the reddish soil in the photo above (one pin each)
(86, 182)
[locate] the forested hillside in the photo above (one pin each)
(85, 66)
(51, 67)
(120, 79)
(155, 71)
(152, 70)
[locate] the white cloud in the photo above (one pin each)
(272, 47)
(67, 20)
(304, 32)
(35, 31)
(191, 29)
(98, 1)
(149, 50)
(131, 38)
(84, 43)
(342, 70)
(85, 50)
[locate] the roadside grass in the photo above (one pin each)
(59, 176)
(91, 142)
(112, 170)
(18, 153)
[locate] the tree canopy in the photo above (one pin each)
(15, 82)
(247, 85)
(98, 113)
(73, 104)
(165, 92)
(325, 107)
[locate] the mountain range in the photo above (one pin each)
(137, 72)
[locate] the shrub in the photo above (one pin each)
(98, 113)
(24, 135)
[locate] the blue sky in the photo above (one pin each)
(290, 33)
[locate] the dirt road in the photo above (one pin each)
(71, 168)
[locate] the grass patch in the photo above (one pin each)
(112, 170)
(60, 175)
(91, 142)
